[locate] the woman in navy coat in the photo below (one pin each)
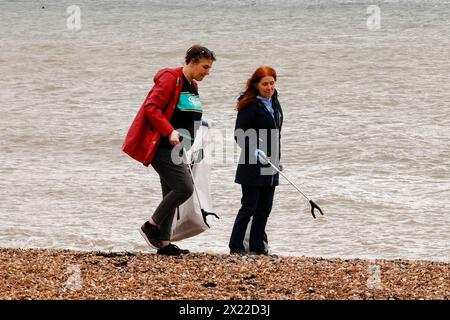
(257, 130)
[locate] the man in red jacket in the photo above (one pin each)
(172, 106)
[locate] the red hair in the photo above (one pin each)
(251, 91)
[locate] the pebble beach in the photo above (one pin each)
(41, 274)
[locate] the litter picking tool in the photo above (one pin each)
(265, 160)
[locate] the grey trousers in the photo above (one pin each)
(177, 187)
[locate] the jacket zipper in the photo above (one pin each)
(275, 124)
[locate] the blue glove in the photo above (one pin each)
(261, 156)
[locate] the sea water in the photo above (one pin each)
(364, 86)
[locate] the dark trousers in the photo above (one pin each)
(177, 187)
(257, 203)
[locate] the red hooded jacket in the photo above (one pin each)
(153, 118)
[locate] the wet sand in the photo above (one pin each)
(66, 274)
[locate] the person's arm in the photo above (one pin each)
(245, 133)
(243, 125)
(157, 100)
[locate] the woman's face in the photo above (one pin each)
(266, 86)
(201, 68)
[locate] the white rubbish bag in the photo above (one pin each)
(190, 220)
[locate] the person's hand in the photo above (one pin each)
(280, 166)
(261, 156)
(174, 138)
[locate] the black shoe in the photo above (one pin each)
(263, 252)
(172, 250)
(238, 252)
(151, 234)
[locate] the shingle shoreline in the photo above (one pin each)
(67, 274)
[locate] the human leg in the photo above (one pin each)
(177, 187)
(249, 201)
(257, 231)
